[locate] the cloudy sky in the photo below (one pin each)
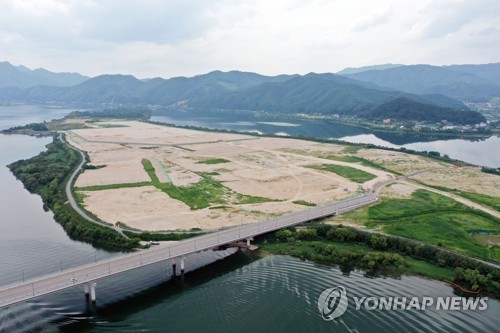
(149, 38)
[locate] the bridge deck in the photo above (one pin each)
(61, 280)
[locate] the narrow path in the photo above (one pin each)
(71, 198)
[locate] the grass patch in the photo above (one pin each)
(214, 161)
(434, 219)
(420, 267)
(352, 149)
(304, 203)
(244, 199)
(353, 174)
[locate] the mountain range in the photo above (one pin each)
(418, 92)
(468, 83)
(23, 77)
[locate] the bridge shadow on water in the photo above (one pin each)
(119, 309)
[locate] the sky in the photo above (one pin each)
(164, 38)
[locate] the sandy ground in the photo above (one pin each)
(465, 179)
(274, 168)
(400, 190)
(399, 162)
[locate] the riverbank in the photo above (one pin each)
(47, 174)
(394, 128)
(381, 255)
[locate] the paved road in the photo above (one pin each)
(61, 280)
(71, 198)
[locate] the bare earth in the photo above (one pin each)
(257, 167)
(273, 168)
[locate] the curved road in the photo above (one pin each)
(72, 199)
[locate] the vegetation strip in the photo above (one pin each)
(112, 186)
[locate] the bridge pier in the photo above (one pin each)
(174, 267)
(92, 292)
(182, 264)
(86, 288)
(248, 241)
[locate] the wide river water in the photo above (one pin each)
(238, 293)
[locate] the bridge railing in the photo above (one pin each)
(96, 270)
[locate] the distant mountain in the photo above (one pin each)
(126, 89)
(403, 108)
(489, 72)
(353, 70)
(199, 87)
(312, 94)
(23, 77)
(426, 79)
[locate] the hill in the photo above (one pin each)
(23, 77)
(403, 108)
(316, 93)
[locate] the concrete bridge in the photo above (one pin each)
(87, 275)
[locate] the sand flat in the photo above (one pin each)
(273, 168)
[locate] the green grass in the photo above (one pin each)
(214, 161)
(304, 203)
(352, 149)
(420, 267)
(434, 219)
(352, 174)
(203, 194)
(244, 199)
(112, 186)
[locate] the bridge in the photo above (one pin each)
(87, 275)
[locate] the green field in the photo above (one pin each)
(434, 219)
(356, 175)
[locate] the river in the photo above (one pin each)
(237, 294)
(484, 152)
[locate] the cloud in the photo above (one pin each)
(167, 38)
(376, 17)
(438, 18)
